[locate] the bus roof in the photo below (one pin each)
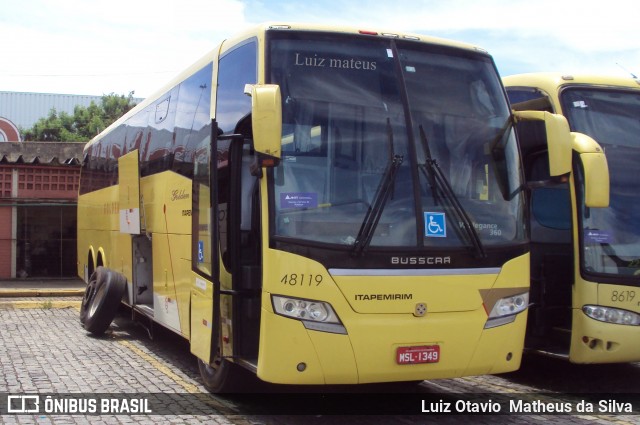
(552, 81)
(364, 31)
(259, 31)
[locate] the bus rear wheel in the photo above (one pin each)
(101, 299)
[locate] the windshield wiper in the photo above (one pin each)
(383, 191)
(439, 184)
(500, 162)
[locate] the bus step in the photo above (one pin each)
(555, 352)
(146, 310)
(251, 364)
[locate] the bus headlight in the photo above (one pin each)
(505, 310)
(612, 315)
(315, 315)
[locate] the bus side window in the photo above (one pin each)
(550, 206)
(529, 99)
(551, 247)
(237, 68)
(249, 213)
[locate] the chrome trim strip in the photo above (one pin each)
(252, 365)
(413, 272)
(334, 328)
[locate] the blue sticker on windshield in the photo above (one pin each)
(598, 236)
(200, 251)
(298, 200)
(435, 225)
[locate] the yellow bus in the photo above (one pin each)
(585, 257)
(318, 205)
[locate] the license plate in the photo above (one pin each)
(421, 354)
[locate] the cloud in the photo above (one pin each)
(582, 25)
(522, 35)
(96, 47)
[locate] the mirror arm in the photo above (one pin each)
(261, 160)
(232, 137)
(554, 181)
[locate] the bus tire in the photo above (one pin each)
(89, 293)
(225, 377)
(101, 300)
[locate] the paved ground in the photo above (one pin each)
(45, 352)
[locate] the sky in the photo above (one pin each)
(100, 47)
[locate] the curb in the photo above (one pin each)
(42, 304)
(23, 293)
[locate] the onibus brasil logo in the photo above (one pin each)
(22, 404)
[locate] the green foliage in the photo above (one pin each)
(84, 124)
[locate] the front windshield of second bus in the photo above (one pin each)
(373, 131)
(611, 236)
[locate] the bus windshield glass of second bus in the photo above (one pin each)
(611, 236)
(422, 135)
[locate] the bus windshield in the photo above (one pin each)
(393, 143)
(611, 236)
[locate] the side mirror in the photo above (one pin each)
(595, 169)
(266, 117)
(556, 129)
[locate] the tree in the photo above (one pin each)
(85, 123)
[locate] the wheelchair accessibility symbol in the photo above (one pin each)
(435, 225)
(200, 251)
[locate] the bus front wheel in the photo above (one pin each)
(223, 376)
(101, 299)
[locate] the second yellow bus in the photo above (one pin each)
(585, 256)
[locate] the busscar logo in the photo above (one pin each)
(419, 261)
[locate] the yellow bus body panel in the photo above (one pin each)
(593, 341)
(201, 317)
(167, 217)
(288, 345)
(290, 353)
(98, 232)
(171, 281)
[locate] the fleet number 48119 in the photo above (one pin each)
(301, 279)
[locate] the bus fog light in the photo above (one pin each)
(315, 315)
(612, 315)
(505, 310)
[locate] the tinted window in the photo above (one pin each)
(166, 133)
(193, 120)
(523, 95)
(237, 68)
